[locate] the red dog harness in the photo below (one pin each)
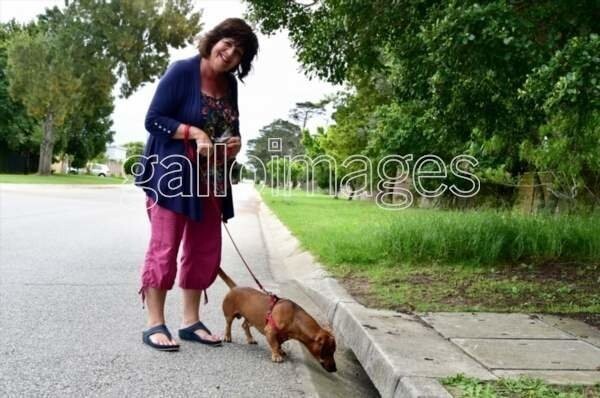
(281, 336)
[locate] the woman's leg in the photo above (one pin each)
(191, 306)
(160, 265)
(155, 300)
(200, 261)
(191, 313)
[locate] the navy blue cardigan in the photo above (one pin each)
(165, 174)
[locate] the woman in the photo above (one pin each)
(195, 105)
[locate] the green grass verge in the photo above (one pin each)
(461, 386)
(450, 260)
(57, 179)
(361, 233)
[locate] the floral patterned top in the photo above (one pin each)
(221, 121)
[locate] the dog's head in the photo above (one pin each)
(323, 348)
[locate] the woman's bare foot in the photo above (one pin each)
(162, 339)
(203, 334)
(158, 337)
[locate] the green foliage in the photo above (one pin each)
(43, 79)
(283, 173)
(334, 37)
(304, 111)
(131, 38)
(40, 76)
(68, 179)
(17, 129)
(84, 135)
(134, 148)
(470, 387)
(129, 164)
(514, 84)
(433, 260)
(476, 238)
(319, 169)
(63, 68)
(258, 148)
(567, 90)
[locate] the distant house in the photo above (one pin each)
(116, 156)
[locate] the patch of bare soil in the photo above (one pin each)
(360, 288)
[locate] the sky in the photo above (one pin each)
(272, 88)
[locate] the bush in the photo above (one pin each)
(128, 165)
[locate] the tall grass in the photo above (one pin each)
(490, 237)
(346, 232)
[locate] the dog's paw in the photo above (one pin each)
(227, 339)
(276, 358)
(282, 353)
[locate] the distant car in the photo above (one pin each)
(100, 170)
(73, 170)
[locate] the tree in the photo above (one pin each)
(283, 173)
(134, 148)
(99, 43)
(320, 171)
(19, 132)
(304, 111)
(131, 37)
(280, 131)
(44, 82)
(455, 76)
(336, 39)
(85, 138)
(567, 90)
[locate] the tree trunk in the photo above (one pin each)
(46, 147)
(338, 187)
(352, 191)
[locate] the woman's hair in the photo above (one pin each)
(243, 35)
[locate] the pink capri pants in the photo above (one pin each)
(201, 252)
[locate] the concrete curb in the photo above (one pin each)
(341, 310)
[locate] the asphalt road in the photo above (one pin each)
(71, 319)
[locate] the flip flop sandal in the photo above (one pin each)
(188, 334)
(158, 329)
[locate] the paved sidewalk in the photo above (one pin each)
(405, 355)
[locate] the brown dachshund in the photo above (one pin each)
(279, 320)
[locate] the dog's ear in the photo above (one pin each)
(328, 347)
(320, 338)
(325, 342)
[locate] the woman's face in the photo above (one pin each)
(225, 55)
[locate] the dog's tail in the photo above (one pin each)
(228, 281)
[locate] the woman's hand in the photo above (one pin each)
(234, 144)
(203, 142)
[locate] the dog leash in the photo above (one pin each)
(273, 298)
(244, 261)
(212, 199)
(189, 152)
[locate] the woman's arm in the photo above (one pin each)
(168, 97)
